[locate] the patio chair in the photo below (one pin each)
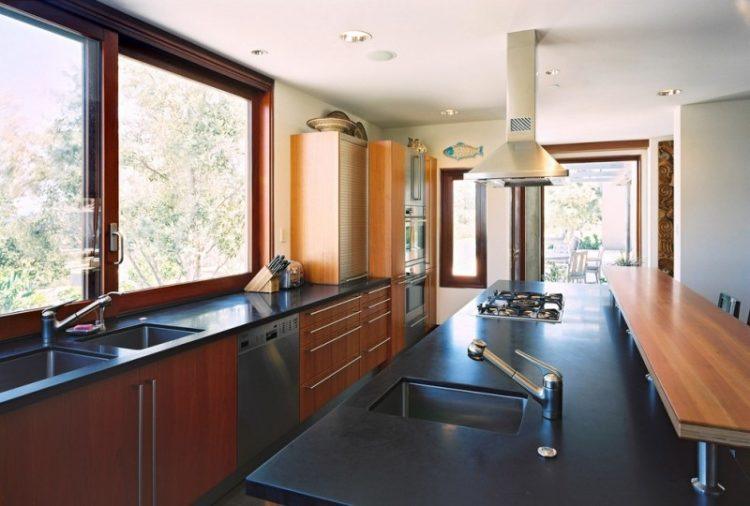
(594, 265)
(577, 266)
(730, 305)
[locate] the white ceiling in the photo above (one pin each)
(613, 55)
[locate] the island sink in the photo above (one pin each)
(27, 368)
(139, 337)
(454, 404)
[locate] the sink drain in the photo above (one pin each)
(547, 452)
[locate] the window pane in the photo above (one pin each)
(464, 228)
(183, 178)
(48, 229)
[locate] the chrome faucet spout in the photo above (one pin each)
(549, 394)
(51, 325)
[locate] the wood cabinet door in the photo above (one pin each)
(194, 424)
(79, 447)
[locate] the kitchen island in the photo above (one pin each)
(615, 442)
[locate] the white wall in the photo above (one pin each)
(712, 157)
(489, 134)
(292, 108)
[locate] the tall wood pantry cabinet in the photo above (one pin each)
(329, 206)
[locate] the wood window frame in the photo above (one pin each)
(120, 33)
(447, 278)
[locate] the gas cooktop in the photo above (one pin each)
(524, 306)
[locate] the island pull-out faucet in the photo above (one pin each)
(549, 395)
(50, 323)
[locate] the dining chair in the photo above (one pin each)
(730, 305)
(594, 265)
(577, 266)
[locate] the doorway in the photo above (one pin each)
(592, 220)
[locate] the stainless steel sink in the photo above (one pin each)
(139, 337)
(38, 365)
(454, 404)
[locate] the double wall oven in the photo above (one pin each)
(415, 250)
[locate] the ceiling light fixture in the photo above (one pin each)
(552, 72)
(381, 55)
(448, 113)
(668, 92)
(258, 52)
(354, 36)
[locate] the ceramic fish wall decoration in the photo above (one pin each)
(460, 150)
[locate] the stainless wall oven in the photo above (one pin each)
(415, 299)
(415, 235)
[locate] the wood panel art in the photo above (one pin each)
(666, 207)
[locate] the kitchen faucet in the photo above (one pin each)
(51, 325)
(549, 395)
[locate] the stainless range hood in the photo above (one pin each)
(521, 161)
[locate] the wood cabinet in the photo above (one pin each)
(431, 300)
(339, 342)
(83, 446)
(78, 447)
(194, 425)
(329, 206)
(432, 202)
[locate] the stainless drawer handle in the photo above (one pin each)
(379, 317)
(140, 443)
(418, 321)
(334, 322)
(378, 303)
(335, 305)
(334, 339)
(378, 290)
(356, 277)
(334, 373)
(378, 345)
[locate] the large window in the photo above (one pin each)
(183, 178)
(49, 205)
(135, 162)
(462, 231)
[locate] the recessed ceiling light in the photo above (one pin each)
(354, 36)
(552, 72)
(381, 55)
(258, 52)
(448, 112)
(668, 92)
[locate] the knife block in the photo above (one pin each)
(264, 282)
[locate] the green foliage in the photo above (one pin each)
(574, 209)
(555, 272)
(624, 261)
(183, 151)
(590, 242)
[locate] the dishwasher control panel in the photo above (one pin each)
(262, 334)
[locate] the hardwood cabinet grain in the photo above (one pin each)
(79, 447)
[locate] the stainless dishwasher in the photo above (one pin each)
(268, 385)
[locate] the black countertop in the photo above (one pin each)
(616, 444)
(215, 317)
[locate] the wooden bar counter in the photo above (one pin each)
(697, 355)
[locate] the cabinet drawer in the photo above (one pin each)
(323, 358)
(376, 295)
(314, 396)
(375, 355)
(312, 337)
(375, 329)
(321, 315)
(372, 309)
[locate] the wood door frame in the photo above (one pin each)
(447, 279)
(638, 159)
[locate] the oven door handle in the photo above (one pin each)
(412, 281)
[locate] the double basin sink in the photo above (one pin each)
(22, 369)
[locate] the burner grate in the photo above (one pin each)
(523, 305)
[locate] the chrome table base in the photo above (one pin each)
(707, 481)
